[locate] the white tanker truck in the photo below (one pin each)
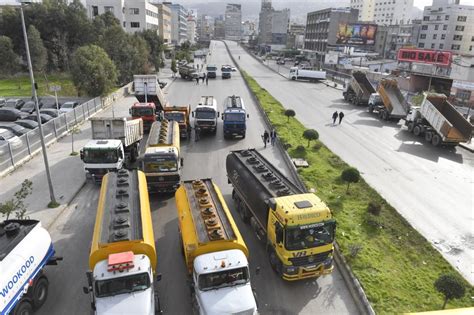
(25, 249)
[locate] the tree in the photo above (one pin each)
(17, 203)
(155, 44)
(350, 175)
(310, 134)
(9, 61)
(451, 286)
(93, 72)
(173, 66)
(38, 53)
(290, 113)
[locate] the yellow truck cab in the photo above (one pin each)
(162, 161)
(214, 251)
(297, 227)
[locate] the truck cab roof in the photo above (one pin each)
(218, 261)
(103, 144)
(141, 263)
(305, 211)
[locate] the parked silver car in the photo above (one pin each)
(8, 136)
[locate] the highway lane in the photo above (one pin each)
(431, 187)
(72, 232)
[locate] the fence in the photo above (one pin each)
(13, 153)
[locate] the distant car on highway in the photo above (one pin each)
(29, 124)
(50, 111)
(14, 103)
(68, 106)
(15, 128)
(7, 135)
(10, 114)
(44, 118)
(29, 106)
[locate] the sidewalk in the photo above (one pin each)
(67, 172)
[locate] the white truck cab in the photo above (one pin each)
(100, 156)
(206, 114)
(222, 284)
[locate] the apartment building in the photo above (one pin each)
(164, 17)
(448, 26)
(191, 29)
(233, 22)
(390, 38)
(179, 24)
(134, 15)
(383, 11)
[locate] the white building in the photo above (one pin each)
(233, 22)
(179, 23)
(191, 29)
(383, 11)
(134, 15)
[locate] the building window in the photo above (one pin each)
(463, 94)
(457, 37)
(95, 10)
(421, 45)
(134, 11)
(462, 18)
(124, 24)
(446, 18)
(443, 36)
(470, 48)
(438, 18)
(422, 36)
(432, 46)
(436, 27)
(109, 9)
(441, 46)
(459, 28)
(427, 18)
(135, 24)
(445, 27)
(455, 47)
(435, 36)
(472, 39)
(424, 27)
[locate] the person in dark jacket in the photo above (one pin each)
(341, 115)
(265, 138)
(197, 80)
(334, 117)
(273, 135)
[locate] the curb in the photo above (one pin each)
(466, 147)
(354, 286)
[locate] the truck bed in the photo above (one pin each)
(360, 79)
(393, 99)
(153, 91)
(445, 119)
(122, 128)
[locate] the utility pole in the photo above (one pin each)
(53, 202)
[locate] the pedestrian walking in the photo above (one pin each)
(203, 78)
(265, 137)
(341, 115)
(207, 80)
(197, 133)
(334, 117)
(273, 135)
(197, 80)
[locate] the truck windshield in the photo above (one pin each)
(209, 68)
(179, 117)
(205, 114)
(311, 235)
(158, 163)
(122, 285)
(142, 111)
(224, 278)
(234, 117)
(100, 156)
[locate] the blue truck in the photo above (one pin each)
(234, 117)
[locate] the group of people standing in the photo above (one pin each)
(204, 78)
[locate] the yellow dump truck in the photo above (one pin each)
(162, 161)
(214, 251)
(123, 257)
(181, 115)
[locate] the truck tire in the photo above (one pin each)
(371, 109)
(233, 194)
(243, 212)
(275, 262)
(385, 115)
(243, 135)
(410, 126)
(24, 308)
(40, 292)
(293, 78)
(428, 136)
(417, 130)
(436, 140)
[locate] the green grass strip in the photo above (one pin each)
(21, 86)
(396, 266)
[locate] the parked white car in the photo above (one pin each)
(68, 106)
(7, 135)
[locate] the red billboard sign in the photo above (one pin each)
(441, 58)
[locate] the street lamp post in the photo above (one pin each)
(38, 117)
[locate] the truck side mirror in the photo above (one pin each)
(192, 113)
(248, 116)
(218, 113)
(182, 162)
(85, 290)
(158, 277)
(222, 117)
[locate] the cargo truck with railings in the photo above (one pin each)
(392, 104)
(234, 117)
(114, 145)
(162, 161)
(25, 250)
(205, 114)
(122, 260)
(214, 251)
(358, 89)
(438, 121)
(296, 227)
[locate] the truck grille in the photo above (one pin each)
(206, 123)
(310, 259)
(162, 179)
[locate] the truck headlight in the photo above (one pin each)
(291, 270)
(328, 262)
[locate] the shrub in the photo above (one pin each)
(317, 146)
(310, 134)
(350, 175)
(451, 286)
(354, 250)
(374, 208)
(290, 113)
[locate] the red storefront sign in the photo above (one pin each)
(441, 58)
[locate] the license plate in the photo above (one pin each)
(310, 267)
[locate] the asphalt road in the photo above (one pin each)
(431, 187)
(72, 231)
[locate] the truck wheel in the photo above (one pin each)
(428, 136)
(417, 130)
(371, 109)
(410, 126)
(275, 262)
(385, 115)
(243, 135)
(293, 78)
(40, 292)
(233, 194)
(24, 308)
(243, 212)
(436, 140)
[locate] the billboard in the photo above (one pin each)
(435, 57)
(356, 34)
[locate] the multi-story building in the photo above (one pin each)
(249, 30)
(191, 29)
(205, 28)
(322, 27)
(233, 22)
(280, 25)
(265, 22)
(134, 15)
(164, 14)
(390, 38)
(383, 11)
(296, 36)
(449, 26)
(219, 28)
(179, 24)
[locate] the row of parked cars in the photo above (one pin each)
(18, 117)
